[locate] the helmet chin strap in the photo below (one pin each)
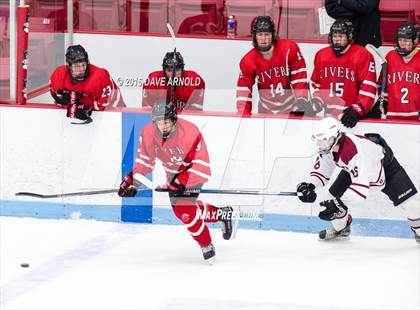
(403, 52)
(264, 49)
(79, 78)
(338, 49)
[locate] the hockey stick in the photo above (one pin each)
(231, 192)
(85, 122)
(149, 184)
(384, 65)
(84, 193)
(171, 31)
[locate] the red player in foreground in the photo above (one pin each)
(181, 148)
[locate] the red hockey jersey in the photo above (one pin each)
(342, 81)
(280, 80)
(189, 90)
(184, 152)
(402, 87)
(98, 90)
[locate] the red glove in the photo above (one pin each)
(127, 189)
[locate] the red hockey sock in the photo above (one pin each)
(208, 211)
(191, 215)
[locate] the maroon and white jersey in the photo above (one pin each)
(359, 156)
(342, 81)
(189, 90)
(98, 90)
(183, 152)
(402, 87)
(281, 80)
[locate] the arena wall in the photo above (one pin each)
(42, 152)
(130, 59)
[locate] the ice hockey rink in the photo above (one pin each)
(86, 264)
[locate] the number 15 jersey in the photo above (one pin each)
(342, 81)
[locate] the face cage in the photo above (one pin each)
(338, 48)
(255, 44)
(403, 52)
(79, 78)
(323, 146)
(170, 68)
(167, 135)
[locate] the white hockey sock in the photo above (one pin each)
(339, 224)
(412, 211)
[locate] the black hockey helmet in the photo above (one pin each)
(77, 54)
(172, 59)
(407, 30)
(263, 24)
(341, 26)
(163, 110)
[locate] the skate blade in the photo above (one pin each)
(211, 261)
(335, 239)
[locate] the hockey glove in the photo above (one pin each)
(306, 192)
(303, 107)
(317, 105)
(352, 115)
(65, 97)
(379, 108)
(175, 188)
(127, 187)
(82, 111)
(335, 209)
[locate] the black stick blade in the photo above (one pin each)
(30, 194)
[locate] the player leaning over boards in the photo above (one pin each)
(402, 88)
(364, 163)
(343, 82)
(280, 71)
(179, 145)
(81, 87)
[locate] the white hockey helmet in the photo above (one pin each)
(326, 134)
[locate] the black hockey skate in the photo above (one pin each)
(229, 222)
(209, 253)
(331, 234)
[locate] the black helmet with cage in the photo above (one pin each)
(407, 30)
(263, 24)
(164, 110)
(172, 59)
(341, 26)
(77, 54)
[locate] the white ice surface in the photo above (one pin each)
(80, 264)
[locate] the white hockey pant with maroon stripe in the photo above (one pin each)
(412, 210)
